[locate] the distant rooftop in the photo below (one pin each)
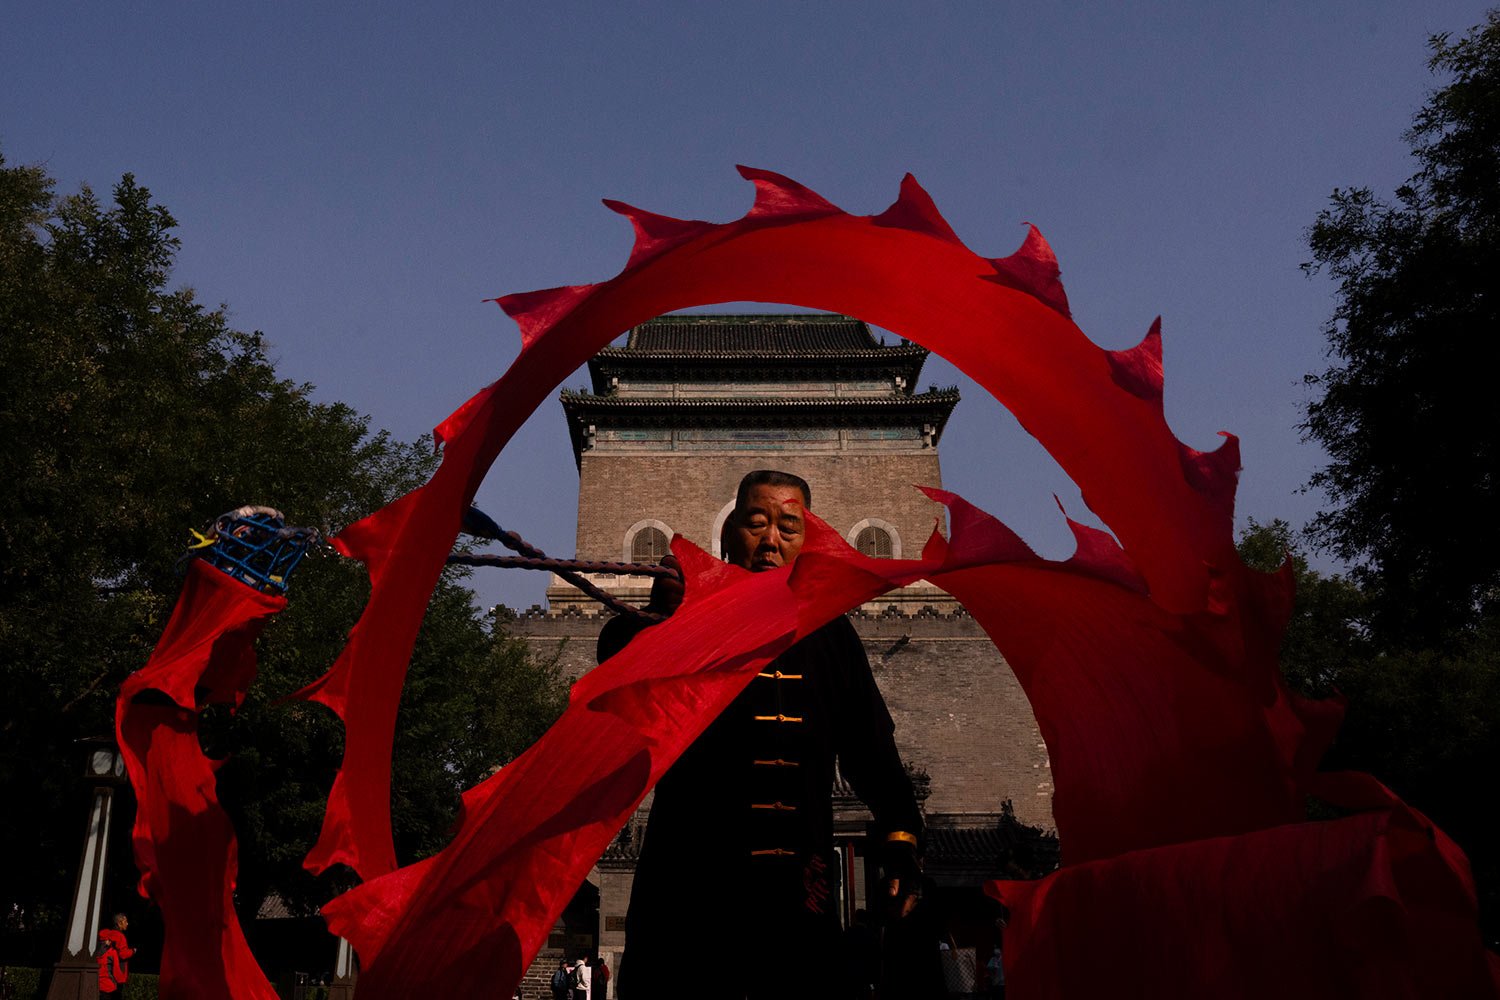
(755, 334)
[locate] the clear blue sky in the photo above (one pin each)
(354, 179)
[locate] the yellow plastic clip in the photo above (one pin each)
(203, 542)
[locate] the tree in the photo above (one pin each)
(1425, 721)
(474, 699)
(1405, 410)
(128, 413)
(1327, 633)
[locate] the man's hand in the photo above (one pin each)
(899, 868)
(667, 591)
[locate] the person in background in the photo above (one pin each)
(562, 981)
(114, 955)
(995, 970)
(581, 983)
(599, 981)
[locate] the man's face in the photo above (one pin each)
(121, 923)
(767, 532)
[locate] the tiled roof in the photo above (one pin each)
(586, 400)
(754, 348)
(963, 845)
(760, 334)
(273, 907)
(921, 785)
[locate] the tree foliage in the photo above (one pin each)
(1425, 721)
(1404, 411)
(1327, 634)
(128, 413)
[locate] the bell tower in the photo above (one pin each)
(693, 402)
(669, 425)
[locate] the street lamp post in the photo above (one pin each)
(76, 974)
(345, 973)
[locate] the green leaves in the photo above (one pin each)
(1424, 720)
(129, 413)
(1404, 410)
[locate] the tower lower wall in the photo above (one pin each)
(689, 491)
(959, 712)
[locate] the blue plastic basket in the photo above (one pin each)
(254, 545)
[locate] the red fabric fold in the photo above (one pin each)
(531, 832)
(184, 843)
(1150, 663)
(1365, 906)
(1180, 760)
(791, 247)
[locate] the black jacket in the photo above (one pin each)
(739, 844)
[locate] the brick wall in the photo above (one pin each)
(688, 491)
(959, 712)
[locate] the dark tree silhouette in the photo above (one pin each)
(1406, 410)
(129, 413)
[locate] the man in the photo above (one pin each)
(114, 956)
(738, 853)
(995, 973)
(599, 981)
(582, 986)
(562, 981)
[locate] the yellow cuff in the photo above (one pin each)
(902, 837)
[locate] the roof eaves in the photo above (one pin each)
(590, 400)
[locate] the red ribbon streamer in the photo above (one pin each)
(1150, 662)
(184, 843)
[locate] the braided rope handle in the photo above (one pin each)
(476, 522)
(576, 565)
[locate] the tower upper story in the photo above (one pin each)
(691, 403)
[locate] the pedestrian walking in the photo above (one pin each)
(114, 956)
(996, 970)
(562, 981)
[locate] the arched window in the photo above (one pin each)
(876, 538)
(874, 542)
(716, 533)
(649, 545)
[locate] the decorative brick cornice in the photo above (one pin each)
(591, 402)
(890, 613)
(585, 410)
(756, 347)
